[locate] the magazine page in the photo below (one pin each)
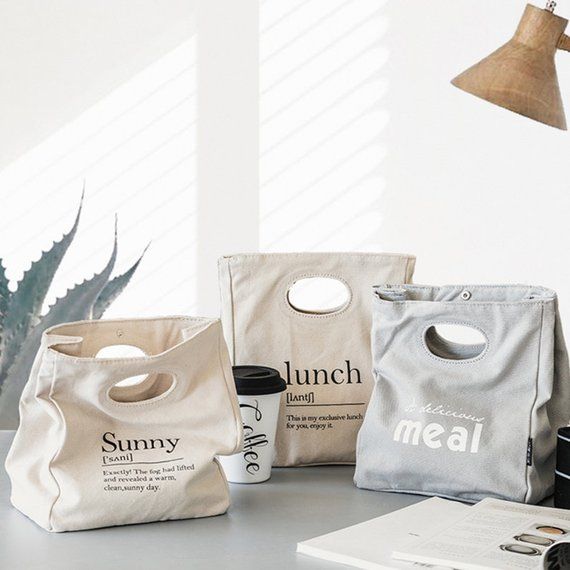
(492, 535)
(369, 545)
(519, 508)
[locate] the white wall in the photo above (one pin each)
(136, 152)
(478, 193)
(322, 124)
(117, 89)
(58, 58)
(227, 138)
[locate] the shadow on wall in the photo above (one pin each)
(323, 114)
(86, 52)
(21, 322)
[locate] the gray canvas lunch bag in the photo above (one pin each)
(465, 420)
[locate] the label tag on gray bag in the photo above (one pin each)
(529, 452)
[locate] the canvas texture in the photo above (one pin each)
(92, 454)
(324, 358)
(459, 420)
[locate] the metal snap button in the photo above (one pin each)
(466, 295)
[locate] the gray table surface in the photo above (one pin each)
(261, 530)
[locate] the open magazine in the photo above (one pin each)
(496, 535)
(369, 545)
(443, 534)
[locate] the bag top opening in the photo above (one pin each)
(464, 293)
(86, 339)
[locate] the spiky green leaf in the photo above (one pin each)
(114, 288)
(77, 305)
(25, 304)
(4, 300)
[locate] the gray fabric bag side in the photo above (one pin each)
(465, 421)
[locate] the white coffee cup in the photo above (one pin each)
(259, 393)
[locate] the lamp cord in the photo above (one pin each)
(551, 6)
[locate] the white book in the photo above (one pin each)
(492, 535)
(369, 545)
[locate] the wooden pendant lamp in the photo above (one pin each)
(521, 75)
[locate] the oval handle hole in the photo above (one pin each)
(455, 342)
(124, 351)
(318, 295)
(153, 386)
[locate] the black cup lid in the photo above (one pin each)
(257, 380)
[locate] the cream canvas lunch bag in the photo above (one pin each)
(465, 417)
(323, 356)
(90, 453)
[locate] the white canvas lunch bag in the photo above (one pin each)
(90, 453)
(324, 356)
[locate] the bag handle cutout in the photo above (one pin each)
(153, 387)
(140, 388)
(318, 295)
(455, 342)
(124, 351)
